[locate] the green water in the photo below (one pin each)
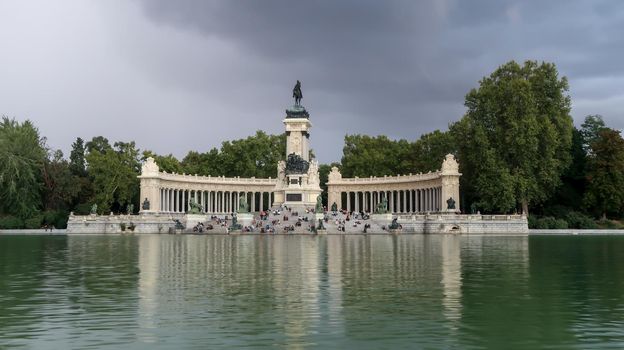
(363, 292)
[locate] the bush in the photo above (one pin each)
(580, 221)
(58, 219)
(34, 221)
(533, 222)
(610, 224)
(11, 222)
(548, 223)
(83, 209)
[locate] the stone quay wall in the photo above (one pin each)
(464, 224)
(443, 223)
(144, 223)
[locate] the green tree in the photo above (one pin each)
(254, 156)
(167, 163)
(22, 153)
(98, 144)
(364, 155)
(77, 163)
(605, 190)
(590, 129)
(59, 183)
(114, 175)
(514, 140)
(429, 151)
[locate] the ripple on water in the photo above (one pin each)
(311, 292)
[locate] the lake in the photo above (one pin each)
(300, 292)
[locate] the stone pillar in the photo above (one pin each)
(348, 201)
(261, 201)
(406, 201)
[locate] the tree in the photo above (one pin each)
(254, 156)
(167, 163)
(77, 163)
(59, 183)
(364, 155)
(429, 151)
(590, 129)
(114, 174)
(98, 144)
(22, 154)
(514, 140)
(605, 190)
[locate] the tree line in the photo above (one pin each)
(517, 146)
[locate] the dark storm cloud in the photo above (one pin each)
(180, 75)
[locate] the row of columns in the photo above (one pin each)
(400, 201)
(177, 200)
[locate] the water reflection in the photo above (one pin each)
(311, 292)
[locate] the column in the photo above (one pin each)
(391, 202)
(405, 201)
(253, 201)
(261, 201)
(348, 201)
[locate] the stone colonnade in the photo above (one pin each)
(399, 201)
(421, 193)
(172, 193)
(175, 200)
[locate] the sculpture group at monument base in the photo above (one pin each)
(436, 223)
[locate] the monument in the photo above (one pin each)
(298, 182)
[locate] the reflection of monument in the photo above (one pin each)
(298, 177)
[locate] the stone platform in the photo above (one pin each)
(410, 224)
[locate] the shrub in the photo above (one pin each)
(548, 222)
(83, 209)
(34, 221)
(11, 222)
(122, 226)
(580, 221)
(609, 224)
(533, 222)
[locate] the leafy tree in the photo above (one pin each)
(77, 158)
(429, 151)
(590, 129)
(208, 163)
(364, 155)
(254, 156)
(59, 183)
(98, 144)
(605, 191)
(114, 174)
(22, 154)
(573, 181)
(515, 138)
(167, 163)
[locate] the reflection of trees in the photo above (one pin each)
(25, 270)
(543, 291)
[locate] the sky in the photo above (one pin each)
(184, 75)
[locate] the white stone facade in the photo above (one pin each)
(171, 193)
(420, 193)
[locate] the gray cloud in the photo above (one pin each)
(176, 76)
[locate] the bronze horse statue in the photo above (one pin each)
(297, 93)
